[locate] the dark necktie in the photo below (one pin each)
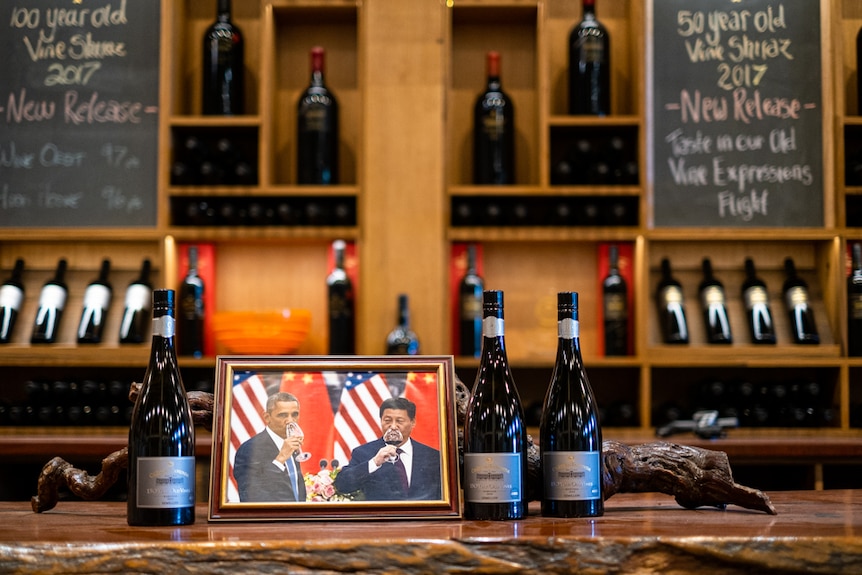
(402, 471)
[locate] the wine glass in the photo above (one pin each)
(294, 430)
(393, 436)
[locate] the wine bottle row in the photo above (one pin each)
(495, 437)
(210, 158)
(88, 402)
(795, 403)
(560, 211)
(96, 302)
(594, 157)
(670, 302)
(264, 211)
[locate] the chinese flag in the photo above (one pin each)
(422, 390)
(315, 415)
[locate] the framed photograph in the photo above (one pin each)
(336, 437)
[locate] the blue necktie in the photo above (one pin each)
(291, 471)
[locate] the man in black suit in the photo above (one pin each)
(265, 467)
(413, 475)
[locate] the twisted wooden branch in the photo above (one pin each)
(696, 477)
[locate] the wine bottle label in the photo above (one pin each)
(53, 297)
(568, 328)
(796, 296)
(97, 296)
(471, 307)
(572, 475)
(164, 326)
(712, 295)
(492, 326)
(11, 297)
(615, 306)
(754, 296)
(165, 482)
(671, 294)
(855, 306)
(591, 49)
(138, 296)
(492, 477)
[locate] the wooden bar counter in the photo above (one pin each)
(814, 532)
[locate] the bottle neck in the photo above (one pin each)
(224, 10)
(589, 9)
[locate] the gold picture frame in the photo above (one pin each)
(343, 404)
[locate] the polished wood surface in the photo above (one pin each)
(644, 533)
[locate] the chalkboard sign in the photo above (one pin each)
(79, 93)
(736, 113)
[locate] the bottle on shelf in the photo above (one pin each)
(615, 307)
(317, 129)
(493, 130)
(802, 325)
(495, 436)
(342, 328)
(854, 303)
(589, 65)
(670, 303)
(223, 67)
(162, 433)
(470, 290)
(757, 310)
(402, 340)
(52, 302)
(97, 300)
(714, 304)
(570, 432)
(190, 328)
(136, 311)
(11, 298)
(859, 76)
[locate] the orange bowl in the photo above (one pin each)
(268, 332)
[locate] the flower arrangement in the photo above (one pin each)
(320, 486)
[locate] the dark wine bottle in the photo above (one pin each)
(342, 327)
(11, 298)
(757, 310)
(858, 75)
(136, 312)
(52, 302)
(493, 131)
(615, 307)
(854, 304)
(190, 328)
(495, 438)
(714, 304)
(802, 324)
(223, 74)
(571, 438)
(470, 290)
(97, 300)
(317, 129)
(161, 471)
(401, 340)
(589, 65)
(670, 303)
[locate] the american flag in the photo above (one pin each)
(358, 418)
(247, 409)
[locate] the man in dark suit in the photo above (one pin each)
(375, 470)
(265, 467)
